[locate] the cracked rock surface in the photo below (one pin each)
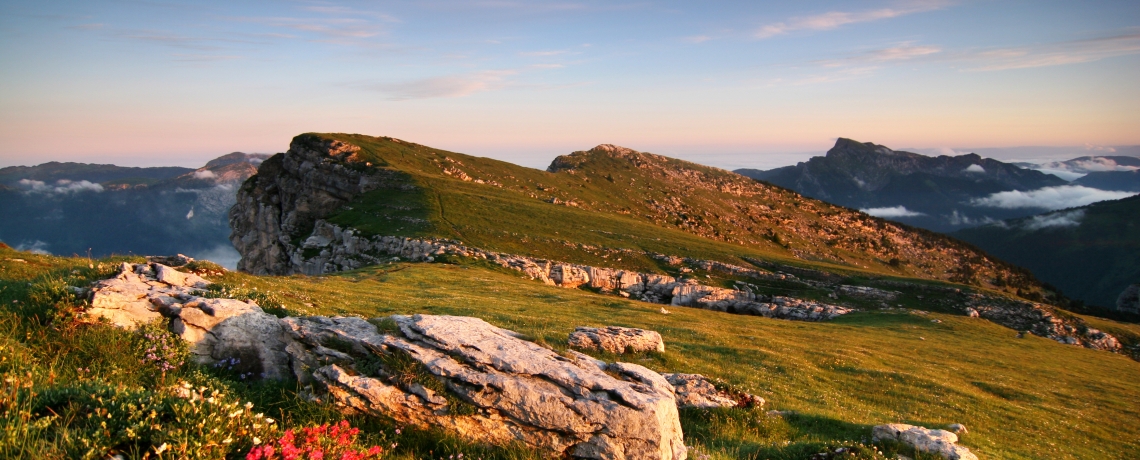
(616, 340)
(489, 385)
(217, 329)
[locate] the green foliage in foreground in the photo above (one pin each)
(1021, 398)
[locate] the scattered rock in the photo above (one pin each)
(331, 248)
(217, 329)
(972, 313)
(664, 311)
(866, 292)
(1043, 321)
(958, 428)
(695, 390)
(616, 340)
(939, 442)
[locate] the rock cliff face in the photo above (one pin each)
(280, 204)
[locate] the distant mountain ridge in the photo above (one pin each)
(70, 208)
(929, 192)
(97, 173)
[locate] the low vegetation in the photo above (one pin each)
(63, 379)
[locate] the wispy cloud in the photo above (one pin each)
(894, 211)
(61, 187)
(181, 57)
(338, 10)
(835, 19)
(169, 39)
(843, 74)
(900, 52)
(1061, 53)
(446, 86)
(1057, 219)
(542, 53)
(328, 28)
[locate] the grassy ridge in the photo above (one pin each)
(1021, 398)
(610, 203)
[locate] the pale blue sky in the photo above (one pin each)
(732, 84)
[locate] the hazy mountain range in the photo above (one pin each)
(1051, 218)
(73, 208)
(947, 193)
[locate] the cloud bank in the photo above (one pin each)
(975, 169)
(1060, 197)
(1061, 219)
(34, 247)
(895, 211)
(61, 187)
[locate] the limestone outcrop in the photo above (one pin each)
(866, 292)
(290, 192)
(940, 442)
(482, 382)
(616, 340)
(696, 391)
(1041, 320)
(217, 329)
(458, 373)
(331, 248)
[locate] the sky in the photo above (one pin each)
(732, 84)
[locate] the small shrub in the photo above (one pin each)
(333, 442)
(160, 349)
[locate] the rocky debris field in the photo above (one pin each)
(1041, 320)
(341, 249)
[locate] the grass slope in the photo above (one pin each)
(598, 206)
(1021, 398)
